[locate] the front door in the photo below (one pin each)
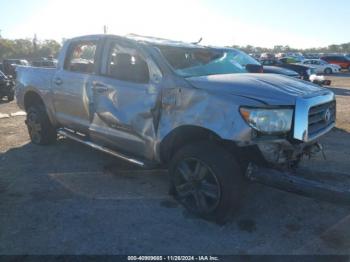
(125, 101)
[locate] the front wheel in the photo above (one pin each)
(40, 129)
(328, 71)
(207, 180)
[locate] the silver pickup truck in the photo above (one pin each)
(193, 109)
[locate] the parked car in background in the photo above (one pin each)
(312, 56)
(155, 102)
(252, 65)
(6, 87)
(304, 71)
(321, 66)
(341, 60)
(9, 66)
(280, 55)
(44, 62)
(267, 56)
(254, 55)
(291, 55)
(290, 60)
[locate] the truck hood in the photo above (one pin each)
(271, 89)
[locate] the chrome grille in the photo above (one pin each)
(321, 117)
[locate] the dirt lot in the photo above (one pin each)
(69, 199)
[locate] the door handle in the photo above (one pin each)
(99, 87)
(58, 81)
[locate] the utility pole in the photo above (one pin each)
(35, 42)
(35, 45)
(105, 29)
(0, 34)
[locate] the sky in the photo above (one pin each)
(297, 23)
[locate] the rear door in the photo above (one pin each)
(71, 84)
(125, 100)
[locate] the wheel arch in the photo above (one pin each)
(183, 135)
(32, 97)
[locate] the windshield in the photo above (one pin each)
(189, 62)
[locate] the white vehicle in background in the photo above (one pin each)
(321, 66)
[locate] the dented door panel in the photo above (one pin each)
(124, 115)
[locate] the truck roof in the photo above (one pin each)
(145, 40)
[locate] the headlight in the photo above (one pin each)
(268, 121)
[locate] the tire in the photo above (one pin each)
(328, 71)
(11, 96)
(40, 129)
(207, 180)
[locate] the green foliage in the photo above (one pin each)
(342, 48)
(28, 49)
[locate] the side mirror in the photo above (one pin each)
(253, 68)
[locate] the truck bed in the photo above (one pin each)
(36, 78)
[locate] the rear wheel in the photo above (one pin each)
(328, 71)
(207, 180)
(40, 129)
(11, 96)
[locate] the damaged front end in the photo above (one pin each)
(298, 132)
(286, 156)
(281, 156)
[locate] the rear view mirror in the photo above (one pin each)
(254, 68)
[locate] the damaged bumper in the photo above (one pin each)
(293, 183)
(284, 154)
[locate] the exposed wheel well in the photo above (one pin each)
(184, 135)
(32, 98)
(181, 136)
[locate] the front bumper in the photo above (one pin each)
(300, 184)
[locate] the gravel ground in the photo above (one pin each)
(69, 199)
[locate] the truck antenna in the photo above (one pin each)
(196, 43)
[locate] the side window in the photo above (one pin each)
(127, 65)
(81, 57)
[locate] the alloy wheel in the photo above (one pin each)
(197, 186)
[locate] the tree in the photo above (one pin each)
(28, 49)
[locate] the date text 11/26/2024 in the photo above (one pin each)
(173, 258)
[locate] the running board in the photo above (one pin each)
(80, 139)
(299, 185)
